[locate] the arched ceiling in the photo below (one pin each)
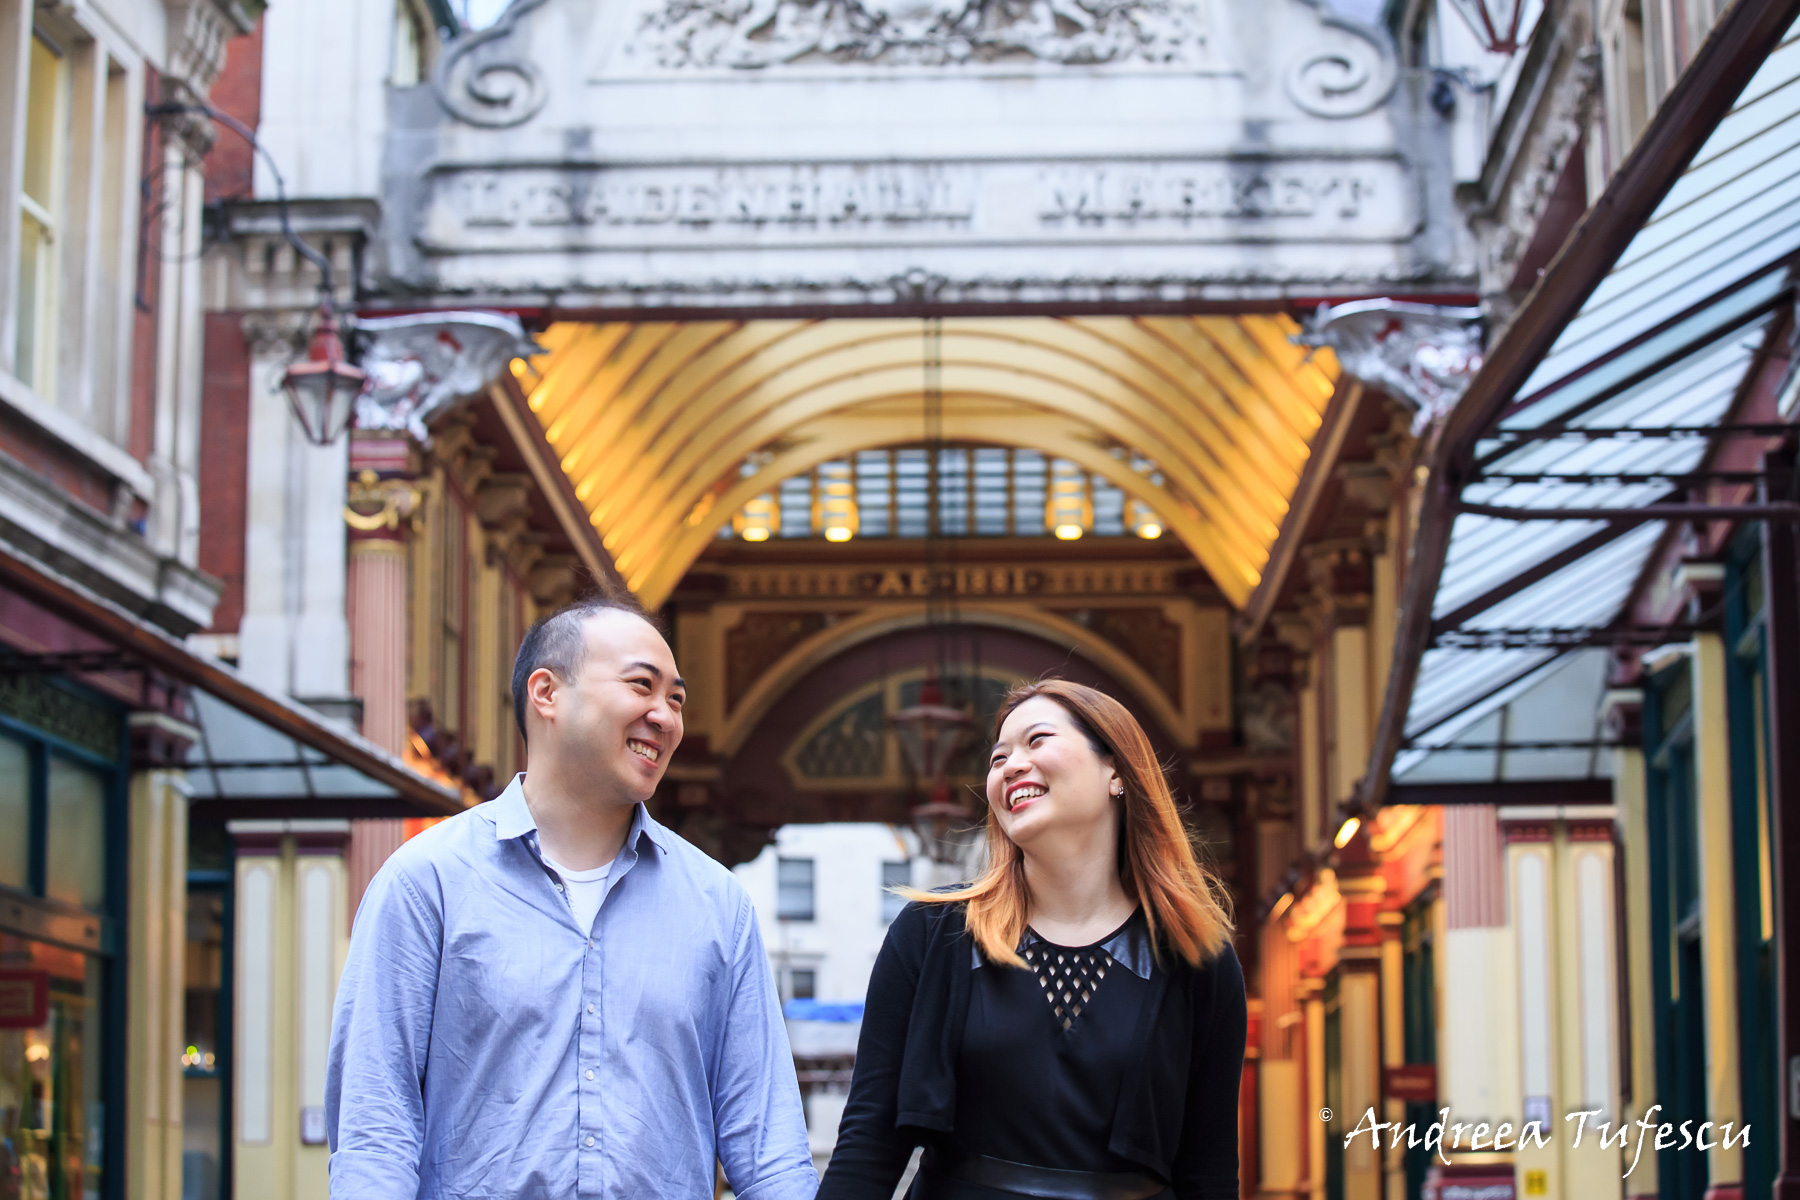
(654, 422)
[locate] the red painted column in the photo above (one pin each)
(382, 500)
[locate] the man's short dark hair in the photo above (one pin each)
(559, 642)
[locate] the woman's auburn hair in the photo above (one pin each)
(1185, 907)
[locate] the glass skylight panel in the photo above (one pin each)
(1031, 476)
(912, 493)
(874, 493)
(993, 491)
(953, 492)
(795, 496)
(1718, 321)
(1109, 509)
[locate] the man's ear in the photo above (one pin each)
(542, 691)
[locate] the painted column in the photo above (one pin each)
(1631, 799)
(1530, 887)
(1477, 1045)
(1360, 882)
(1718, 924)
(290, 947)
(1393, 1042)
(156, 949)
(1781, 578)
(175, 447)
(1587, 1002)
(1312, 1003)
(382, 501)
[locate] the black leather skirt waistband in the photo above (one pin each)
(1048, 1183)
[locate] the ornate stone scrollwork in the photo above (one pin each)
(477, 85)
(1353, 74)
(420, 364)
(749, 34)
(1422, 354)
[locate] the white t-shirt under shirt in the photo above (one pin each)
(585, 890)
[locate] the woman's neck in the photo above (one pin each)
(1076, 894)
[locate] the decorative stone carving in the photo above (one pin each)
(477, 84)
(277, 334)
(198, 31)
(1422, 354)
(1515, 203)
(1347, 78)
(751, 34)
(420, 364)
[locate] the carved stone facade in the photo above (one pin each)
(966, 153)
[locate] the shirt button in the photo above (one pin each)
(590, 1075)
(557, 886)
(590, 1008)
(590, 943)
(590, 1139)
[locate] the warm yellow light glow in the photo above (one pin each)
(1142, 520)
(1346, 831)
(758, 520)
(649, 417)
(834, 502)
(1068, 508)
(1281, 906)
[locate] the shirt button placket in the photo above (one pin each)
(589, 1178)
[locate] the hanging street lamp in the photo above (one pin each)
(1495, 22)
(930, 734)
(322, 387)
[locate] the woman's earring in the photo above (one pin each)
(1118, 789)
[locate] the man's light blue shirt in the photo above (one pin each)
(484, 1045)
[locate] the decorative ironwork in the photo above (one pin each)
(38, 702)
(852, 745)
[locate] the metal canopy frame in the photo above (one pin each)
(1593, 425)
(241, 725)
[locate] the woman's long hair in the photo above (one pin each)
(1184, 906)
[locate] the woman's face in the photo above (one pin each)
(1045, 777)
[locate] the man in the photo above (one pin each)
(550, 995)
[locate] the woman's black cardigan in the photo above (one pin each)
(1178, 1108)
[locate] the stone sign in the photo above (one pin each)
(768, 153)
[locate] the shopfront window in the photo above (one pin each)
(75, 850)
(15, 814)
(52, 1111)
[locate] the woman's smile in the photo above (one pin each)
(1022, 793)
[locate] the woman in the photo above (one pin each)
(1070, 1024)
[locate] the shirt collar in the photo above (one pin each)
(512, 818)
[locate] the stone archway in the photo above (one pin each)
(759, 779)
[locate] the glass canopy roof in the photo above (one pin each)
(1510, 688)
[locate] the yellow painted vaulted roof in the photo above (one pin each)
(655, 422)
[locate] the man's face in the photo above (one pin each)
(620, 717)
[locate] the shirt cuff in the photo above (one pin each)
(798, 1184)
